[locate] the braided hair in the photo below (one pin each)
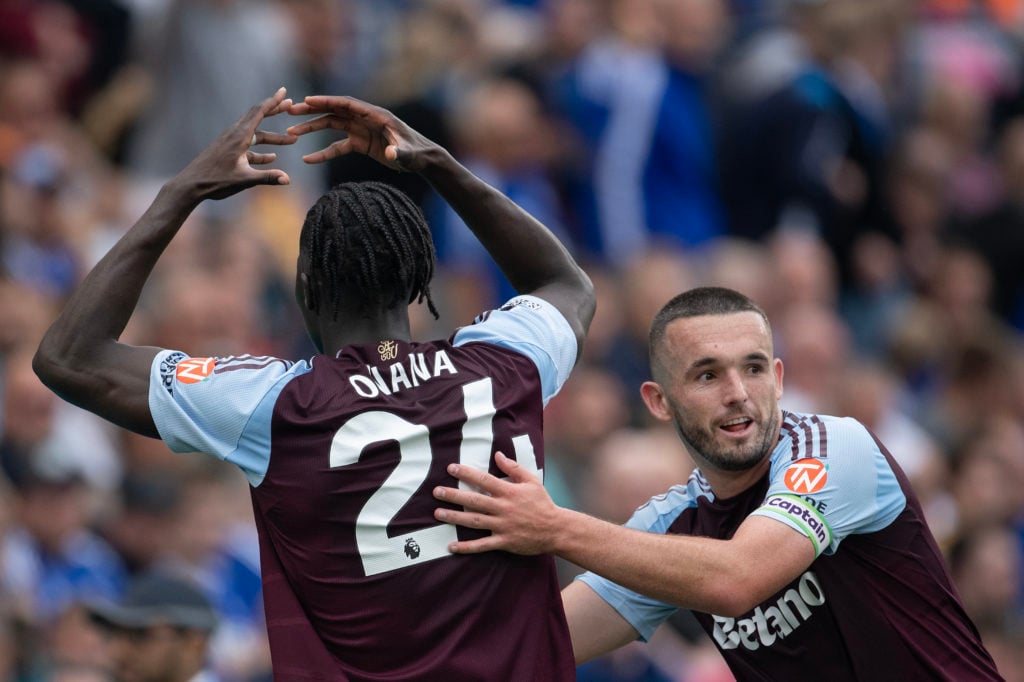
(370, 241)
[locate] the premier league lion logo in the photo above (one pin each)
(412, 550)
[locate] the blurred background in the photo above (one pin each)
(855, 166)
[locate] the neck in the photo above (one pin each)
(352, 329)
(728, 484)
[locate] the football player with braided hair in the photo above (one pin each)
(342, 450)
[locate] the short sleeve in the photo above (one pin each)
(645, 614)
(533, 327)
(836, 483)
(219, 406)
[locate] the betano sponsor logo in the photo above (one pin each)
(766, 625)
(806, 476)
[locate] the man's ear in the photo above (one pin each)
(654, 398)
(308, 294)
(777, 366)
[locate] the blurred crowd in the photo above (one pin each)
(855, 166)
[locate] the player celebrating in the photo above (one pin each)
(798, 541)
(342, 450)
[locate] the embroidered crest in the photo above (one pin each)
(388, 350)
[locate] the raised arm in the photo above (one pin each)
(534, 261)
(80, 357)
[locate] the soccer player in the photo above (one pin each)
(342, 451)
(797, 541)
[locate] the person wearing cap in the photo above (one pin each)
(159, 631)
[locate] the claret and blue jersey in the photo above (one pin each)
(342, 454)
(845, 617)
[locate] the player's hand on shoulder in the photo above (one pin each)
(371, 130)
(227, 165)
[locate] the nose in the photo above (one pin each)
(735, 388)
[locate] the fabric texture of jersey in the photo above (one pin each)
(343, 454)
(845, 617)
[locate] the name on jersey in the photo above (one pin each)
(777, 621)
(416, 369)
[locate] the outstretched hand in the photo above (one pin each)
(226, 166)
(518, 510)
(372, 131)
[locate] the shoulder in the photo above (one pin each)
(520, 315)
(661, 511)
(533, 327)
(820, 435)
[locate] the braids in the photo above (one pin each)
(368, 245)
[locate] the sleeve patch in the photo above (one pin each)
(168, 366)
(194, 370)
(806, 476)
(521, 302)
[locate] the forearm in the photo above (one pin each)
(524, 249)
(682, 570)
(100, 308)
(80, 358)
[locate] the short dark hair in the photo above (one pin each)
(369, 241)
(694, 303)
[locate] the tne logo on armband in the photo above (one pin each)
(806, 476)
(194, 370)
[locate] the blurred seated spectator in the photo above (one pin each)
(987, 565)
(160, 631)
(810, 151)
(212, 540)
(50, 560)
(502, 135)
(636, 98)
(998, 235)
(646, 281)
(36, 248)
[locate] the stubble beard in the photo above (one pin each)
(738, 458)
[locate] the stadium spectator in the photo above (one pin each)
(636, 99)
(159, 631)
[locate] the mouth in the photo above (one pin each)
(737, 426)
